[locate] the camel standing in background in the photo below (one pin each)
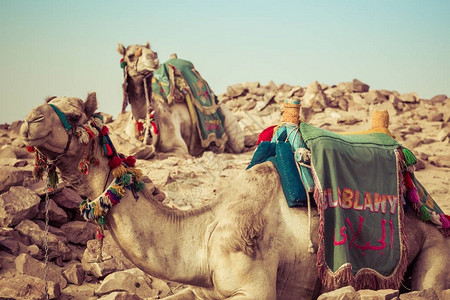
(177, 133)
(247, 244)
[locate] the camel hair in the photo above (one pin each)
(245, 244)
(176, 132)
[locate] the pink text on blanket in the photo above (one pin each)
(351, 199)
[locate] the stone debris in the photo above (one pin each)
(419, 124)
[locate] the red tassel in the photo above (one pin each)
(139, 126)
(408, 181)
(155, 129)
(99, 235)
(108, 150)
(104, 131)
(115, 162)
(266, 135)
(130, 161)
(30, 149)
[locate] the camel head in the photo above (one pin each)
(139, 60)
(43, 127)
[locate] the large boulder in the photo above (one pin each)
(12, 176)
(27, 265)
(56, 214)
(79, 232)
(32, 231)
(67, 198)
(359, 87)
(131, 281)
(24, 287)
(18, 204)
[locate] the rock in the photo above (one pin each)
(359, 87)
(439, 160)
(9, 245)
(378, 295)
(18, 204)
(420, 295)
(67, 198)
(36, 235)
(35, 252)
(79, 232)
(344, 293)
(235, 90)
(314, 97)
(6, 151)
(409, 98)
(27, 287)
(444, 294)
(374, 97)
(345, 87)
(438, 99)
(121, 296)
(251, 85)
(436, 116)
(56, 214)
(74, 274)
(131, 281)
(443, 134)
(11, 176)
(348, 120)
(27, 265)
(56, 231)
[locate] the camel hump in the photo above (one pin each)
(173, 55)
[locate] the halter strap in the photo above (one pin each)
(62, 117)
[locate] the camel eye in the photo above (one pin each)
(131, 57)
(74, 118)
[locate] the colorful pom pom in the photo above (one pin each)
(30, 149)
(130, 161)
(115, 162)
(123, 64)
(104, 131)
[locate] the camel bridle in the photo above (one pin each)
(69, 130)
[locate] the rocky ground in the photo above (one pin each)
(419, 124)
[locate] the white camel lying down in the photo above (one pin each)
(247, 244)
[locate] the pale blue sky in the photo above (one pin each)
(69, 47)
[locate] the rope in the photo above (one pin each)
(147, 119)
(310, 244)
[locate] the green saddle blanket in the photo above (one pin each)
(177, 79)
(361, 237)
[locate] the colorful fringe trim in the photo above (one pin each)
(126, 178)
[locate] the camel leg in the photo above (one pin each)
(245, 278)
(431, 269)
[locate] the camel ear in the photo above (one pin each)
(90, 105)
(147, 45)
(121, 49)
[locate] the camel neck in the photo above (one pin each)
(137, 97)
(167, 243)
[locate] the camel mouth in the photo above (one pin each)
(33, 142)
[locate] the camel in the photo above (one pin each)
(246, 244)
(172, 129)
